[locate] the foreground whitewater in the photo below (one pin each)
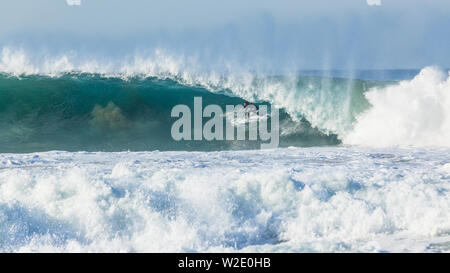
(336, 199)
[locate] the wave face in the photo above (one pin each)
(91, 112)
(283, 200)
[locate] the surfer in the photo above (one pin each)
(250, 108)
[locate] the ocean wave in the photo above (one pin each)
(350, 111)
(91, 112)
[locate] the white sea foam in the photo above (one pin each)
(415, 112)
(314, 199)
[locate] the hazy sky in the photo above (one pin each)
(312, 34)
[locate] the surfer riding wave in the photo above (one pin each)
(250, 109)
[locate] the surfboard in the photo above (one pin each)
(242, 119)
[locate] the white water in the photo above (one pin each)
(294, 199)
(415, 113)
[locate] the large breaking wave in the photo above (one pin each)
(69, 102)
